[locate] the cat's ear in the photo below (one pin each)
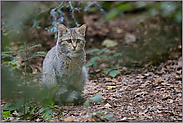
(81, 29)
(62, 30)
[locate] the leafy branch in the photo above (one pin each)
(99, 59)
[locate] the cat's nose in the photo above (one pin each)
(74, 45)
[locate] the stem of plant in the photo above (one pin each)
(25, 73)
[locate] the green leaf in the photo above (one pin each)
(21, 110)
(34, 46)
(10, 107)
(109, 115)
(93, 50)
(54, 87)
(5, 55)
(97, 98)
(32, 110)
(6, 107)
(117, 54)
(6, 113)
(178, 16)
(116, 68)
(41, 53)
(97, 63)
(19, 104)
(112, 14)
(14, 63)
(88, 64)
(116, 11)
(101, 113)
(57, 110)
(94, 59)
(104, 56)
(10, 49)
(86, 103)
(50, 96)
(46, 101)
(42, 109)
(43, 93)
(104, 49)
(107, 70)
(47, 114)
(113, 73)
(21, 50)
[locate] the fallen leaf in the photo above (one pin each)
(162, 89)
(124, 119)
(109, 43)
(71, 119)
(111, 87)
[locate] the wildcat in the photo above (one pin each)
(63, 66)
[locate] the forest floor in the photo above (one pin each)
(151, 95)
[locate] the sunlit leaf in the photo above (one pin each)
(101, 113)
(6, 113)
(109, 43)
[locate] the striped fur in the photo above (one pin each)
(64, 65)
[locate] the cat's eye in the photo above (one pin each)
(78, 40)
(69, 41)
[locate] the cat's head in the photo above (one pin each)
(71, 39)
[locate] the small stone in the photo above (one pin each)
(129, 108)
(165, 97)
(107, 105)
(146, 74)
(170, 101)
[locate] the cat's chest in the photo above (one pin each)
(71, 66)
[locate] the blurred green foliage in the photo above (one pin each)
(101, 58)
(168, 9)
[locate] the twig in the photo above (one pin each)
(72, 9)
